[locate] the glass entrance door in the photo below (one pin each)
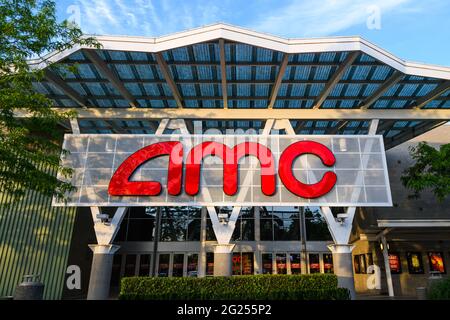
(144, 265)
(177, 265)
(163, 265)
(192, 265)
(294, 259)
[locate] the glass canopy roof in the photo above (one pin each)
(251, 75)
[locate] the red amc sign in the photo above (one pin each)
(226, 170)
(121, 184)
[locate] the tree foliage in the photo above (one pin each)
(30, 147)
(431, 170)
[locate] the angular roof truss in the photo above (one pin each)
(225, 67)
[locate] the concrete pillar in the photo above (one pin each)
(343, 266)
(102, 261)
(223, 259)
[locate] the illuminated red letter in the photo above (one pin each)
(230, 158)
(290, 181)
(120, 184)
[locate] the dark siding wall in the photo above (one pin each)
(80, 254)
(34, 239)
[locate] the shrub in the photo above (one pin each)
(439, 290)
(257, 287)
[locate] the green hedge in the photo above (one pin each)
(439, 290)
(257, 287)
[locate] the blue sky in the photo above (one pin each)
(413, 30)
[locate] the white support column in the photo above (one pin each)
(278, 124)
(223, 229)
(223, 255)
(340, 229)
(387, 266)
(174, 124)
(373, 127)
(99, 280)
(343, 266)
(106, 229)
(74, 125)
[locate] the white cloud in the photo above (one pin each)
(147, 17)
(320, 17)
(97, 15)
(295, 18)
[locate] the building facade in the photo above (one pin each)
(220, 80)
(415, 230)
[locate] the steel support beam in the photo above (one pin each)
(64, 87)
(218, 98)
(439, 90)
(411, 133)
(223, 73)
(115, 127)
(341, 125)
(393, 79)
(386, 125)
(250, 82)
(233, 64)
(103, 68)
(253, 114)
(166, 73)
(278, 80)
(335, 78)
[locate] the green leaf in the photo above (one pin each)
(30, 148)
(431, 171)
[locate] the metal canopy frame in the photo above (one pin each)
(327, 85)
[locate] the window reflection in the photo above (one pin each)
(316, 226)
(245, 226)
(279, 224)
(180, 224)
(242, 263)
(210, 235)
(137, 224)
(184, 224)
